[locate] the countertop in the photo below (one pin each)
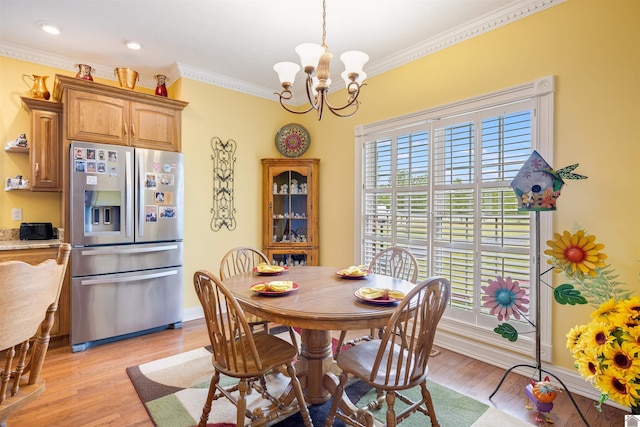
(10, 240)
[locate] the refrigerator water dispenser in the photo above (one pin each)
(101, 211)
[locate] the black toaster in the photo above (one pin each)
(36, 231)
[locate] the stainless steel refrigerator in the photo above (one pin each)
(127, 226)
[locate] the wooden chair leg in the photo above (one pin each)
(336, 400)
(304, 411)
(426, 396)
(391, 413)
(207, 404)
(343, 335)
(241, 403)
(294, 340)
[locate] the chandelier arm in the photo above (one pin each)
(352, 102)
(336, 111)
(282, 98)
(313, 100)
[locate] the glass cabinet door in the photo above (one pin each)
(289, 213)
(290, 222)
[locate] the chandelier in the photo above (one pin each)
(315, 60)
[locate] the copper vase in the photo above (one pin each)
(39, 89)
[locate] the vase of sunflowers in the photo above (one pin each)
(607, 351)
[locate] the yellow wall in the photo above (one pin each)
(591, 46)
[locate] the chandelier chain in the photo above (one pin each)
(324, 23)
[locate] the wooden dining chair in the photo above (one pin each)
(30, 296)
(399, 360)
(240, 260)
(395, 262)
(241, 354)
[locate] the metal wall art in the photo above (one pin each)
(223, 176)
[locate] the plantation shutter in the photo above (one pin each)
(478, 232)
(395, 194)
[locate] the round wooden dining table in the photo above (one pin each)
(323, 302)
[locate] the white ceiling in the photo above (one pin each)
(234, 43)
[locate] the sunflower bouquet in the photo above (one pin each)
(607, 351)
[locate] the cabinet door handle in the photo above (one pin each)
(126, 132)
(37, 169)
(133, 130)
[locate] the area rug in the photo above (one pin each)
(173, 391)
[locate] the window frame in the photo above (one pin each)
(454, 332)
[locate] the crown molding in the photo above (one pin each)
(204, 76)
(483, 24)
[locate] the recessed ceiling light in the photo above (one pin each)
(50, 28)
(133, 45)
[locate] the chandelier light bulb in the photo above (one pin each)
(354, 61)
(286, 72)
(310, 54)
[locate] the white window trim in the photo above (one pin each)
(453, 334)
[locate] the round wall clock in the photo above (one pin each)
(292, 140)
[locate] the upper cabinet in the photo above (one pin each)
(44, 144)
(105, 114)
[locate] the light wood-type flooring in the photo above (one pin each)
(91, 388)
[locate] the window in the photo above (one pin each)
(438, 184)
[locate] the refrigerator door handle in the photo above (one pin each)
(125, 251)
(128, 195)
(140, 194)
(88, 282)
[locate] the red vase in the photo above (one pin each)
(84, 72)
(161, 88)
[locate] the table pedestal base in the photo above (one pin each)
(316, 358)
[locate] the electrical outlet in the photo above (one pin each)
(16, 214)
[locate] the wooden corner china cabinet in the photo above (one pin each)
(290, 211)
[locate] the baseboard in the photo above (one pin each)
(192, 313)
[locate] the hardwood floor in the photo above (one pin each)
(91, 388)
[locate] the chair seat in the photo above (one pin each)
(359, 359)
(273, 351)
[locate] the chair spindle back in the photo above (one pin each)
(395, 262)
(240, 260)
(234, 349)
(408, 337)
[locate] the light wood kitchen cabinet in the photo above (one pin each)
(105, 114)
(36, 256)
(290, 211)
(44, 144)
